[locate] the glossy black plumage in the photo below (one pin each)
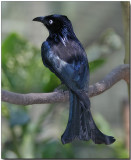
(64, 55)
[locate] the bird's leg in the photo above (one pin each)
(61, 88)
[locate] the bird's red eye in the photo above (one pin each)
(50, 21)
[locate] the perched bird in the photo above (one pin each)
(65, 56)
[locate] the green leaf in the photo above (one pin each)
(94, 65)
(22, 67)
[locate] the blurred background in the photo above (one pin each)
(35, 131)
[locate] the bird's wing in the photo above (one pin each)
(68, 62)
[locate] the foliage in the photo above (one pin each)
(96, 64)
(22, 68)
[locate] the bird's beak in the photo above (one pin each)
(39, 19)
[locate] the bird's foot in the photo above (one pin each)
(61, 88)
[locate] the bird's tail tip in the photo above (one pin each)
(66, 140)
(110, 140)
(100, 138)
(68, 136)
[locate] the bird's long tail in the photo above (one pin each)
(81, 124)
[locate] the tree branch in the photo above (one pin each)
(117, 74)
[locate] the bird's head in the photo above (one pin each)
(55, 23)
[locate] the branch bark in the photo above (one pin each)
(117, 74)
(126, 22)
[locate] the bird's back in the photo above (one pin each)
(71, 55)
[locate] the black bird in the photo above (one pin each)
(65, 56)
